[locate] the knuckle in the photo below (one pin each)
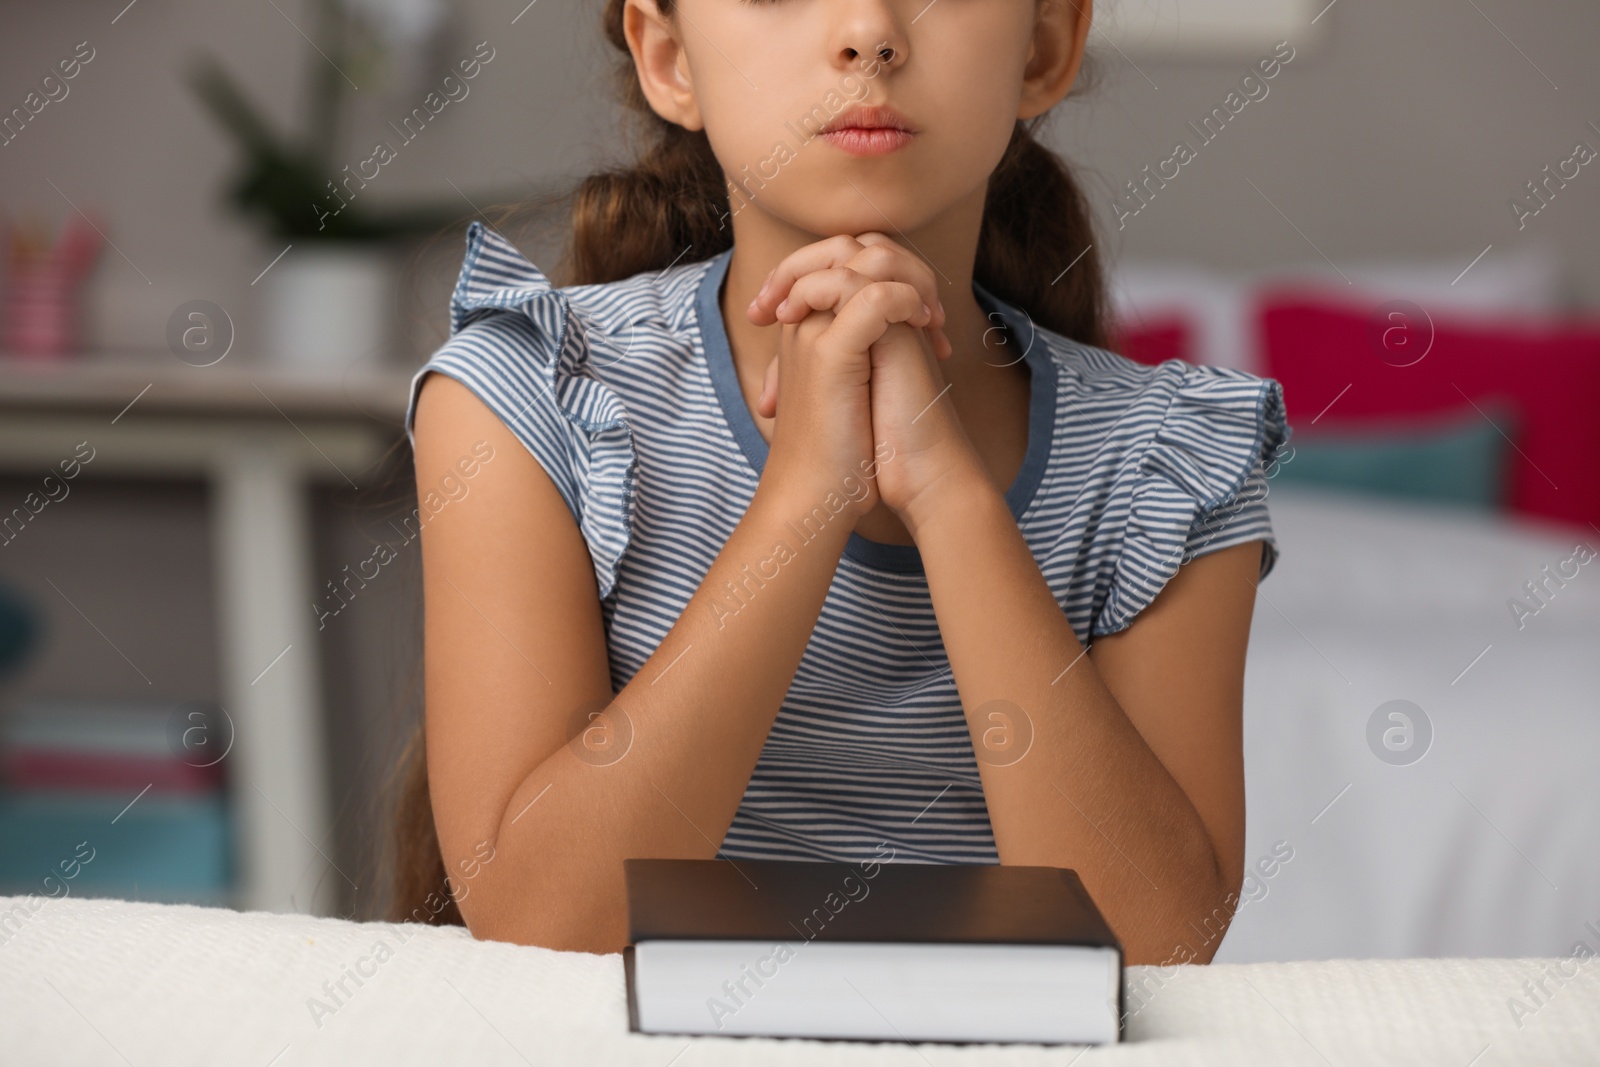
(812, 291)
(878, 295)
(876, 258)
(894, 296)
(842, 245)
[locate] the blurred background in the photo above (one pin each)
(217, 285)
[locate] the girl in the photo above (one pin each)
(819, 524)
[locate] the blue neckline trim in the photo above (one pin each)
(904, 559)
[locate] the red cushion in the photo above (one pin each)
(1154, 340)
(1549, 375)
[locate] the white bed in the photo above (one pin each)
(89, 982)
(1489, 845)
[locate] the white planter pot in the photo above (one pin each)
(330, 307)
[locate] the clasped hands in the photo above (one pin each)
(858, 360)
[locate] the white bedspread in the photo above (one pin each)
(1489, 845)
(87, 982)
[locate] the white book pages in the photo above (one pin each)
(878, 991)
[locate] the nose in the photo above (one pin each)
(871, 32)
(885, 52)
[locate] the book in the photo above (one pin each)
(872, 951)
(114, 797)
(114, 745)
(175, 848)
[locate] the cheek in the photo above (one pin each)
(971, 84)
(758, 99)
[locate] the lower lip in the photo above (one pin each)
(864, 142)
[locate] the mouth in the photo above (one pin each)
(869, 131)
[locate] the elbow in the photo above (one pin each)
(528, 910)
(1210, 909)
(556, 937)
(1193, 924)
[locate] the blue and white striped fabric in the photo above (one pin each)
(626, 394)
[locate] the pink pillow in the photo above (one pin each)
(1155, 340)
(1344, 363)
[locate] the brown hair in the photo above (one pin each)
(642, 217)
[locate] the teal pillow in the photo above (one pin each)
(1461, 460)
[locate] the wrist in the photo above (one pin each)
(812, 506)
(963, 489)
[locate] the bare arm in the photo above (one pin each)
(515, 646)
(1135, 774)
(1134, 771)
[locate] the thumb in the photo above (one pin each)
(767, 405)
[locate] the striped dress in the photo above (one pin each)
(626, 394)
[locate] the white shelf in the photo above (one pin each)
(109, 381)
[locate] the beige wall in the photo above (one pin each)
(1403, 132)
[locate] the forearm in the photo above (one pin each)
(683, 737)
(1089, 793)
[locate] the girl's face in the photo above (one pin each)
(764, 78)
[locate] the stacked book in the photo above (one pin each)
(114, 798)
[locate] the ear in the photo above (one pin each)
(661, 62)
(1060, 34)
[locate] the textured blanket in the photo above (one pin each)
(88, 982)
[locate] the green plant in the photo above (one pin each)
(284, 182)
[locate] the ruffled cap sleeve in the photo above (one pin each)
(1200, 486)
(520, 346)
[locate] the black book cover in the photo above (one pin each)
(789, 900)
